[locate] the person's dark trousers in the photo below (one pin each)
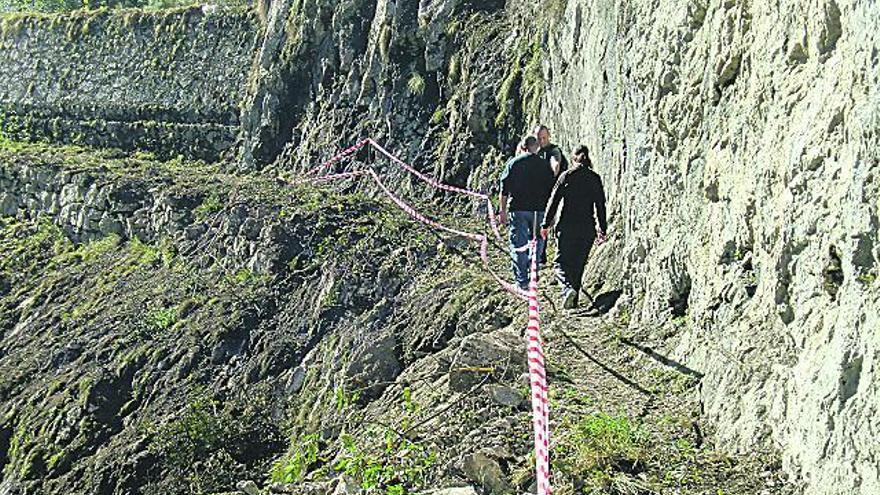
(524, 226)
(572, 251)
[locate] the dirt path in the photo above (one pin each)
(626, 418)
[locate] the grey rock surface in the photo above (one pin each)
(486, 472)
(738, 142)
(165, 82)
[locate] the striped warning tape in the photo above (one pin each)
(538, 380)
(537, 369)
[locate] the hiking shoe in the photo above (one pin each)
(569, 299)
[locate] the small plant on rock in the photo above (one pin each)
(293, 467)
(598, 447)
(211, 204)
(400, 466)
(416, 84)
(162, 318)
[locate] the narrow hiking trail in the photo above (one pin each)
(625, 417)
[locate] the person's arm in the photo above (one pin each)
(600, 211)
(556, 161)
(552, 206)
(504, 195)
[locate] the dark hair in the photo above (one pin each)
(583, 150)
(540, 128)
(528, 142)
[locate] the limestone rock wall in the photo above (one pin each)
(738, 143)
(169, 82)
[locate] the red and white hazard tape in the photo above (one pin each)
(339, 156)
(418, 216)
(537, 373)
(538, 380)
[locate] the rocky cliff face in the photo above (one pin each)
(252, 315)
(737, 141)
(740, 142)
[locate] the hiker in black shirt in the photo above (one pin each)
(553, 155)
(526, 182)
(580, 192)
(550, 151)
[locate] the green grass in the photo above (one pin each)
(533, 84)
(505, 96)
(438, 115)
(162, 318)
(597, 447)
(210, 205)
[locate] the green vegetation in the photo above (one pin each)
(293, 467)
(386, 463)
(416, 84)
(343, 400)
(24, 242)
(526, 75)
(73, 5)
(196, 431)
(395, 469)
(210, 205)
(533, 84)
(523, 83)
(669, 380)
(162, 318)
(505, 96)
(438, 115)
(867, 278)
(382, 459)
(454, 71)
(202, 446)
(385, 43)
(597, 447)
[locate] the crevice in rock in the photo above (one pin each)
(696, 14)
(833, 273)
(678, 303)
(728, 70)
(797, 54)
(5, 439)
(863, 255)
(783, 282)
(849, 380)
(832, 28)
(749, 276)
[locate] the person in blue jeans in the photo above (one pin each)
(526, 183)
